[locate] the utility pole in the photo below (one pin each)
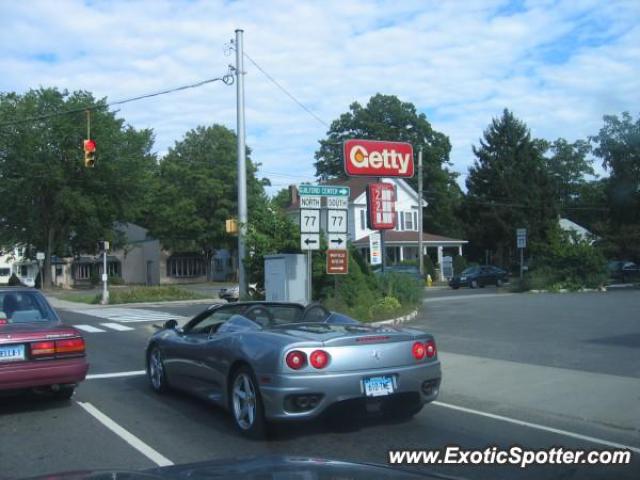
(105, 276)
(420, 212)
(242, 167)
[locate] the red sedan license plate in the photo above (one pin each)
(11, 353)
(378, 386)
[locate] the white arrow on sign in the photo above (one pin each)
(337, 221)
(309, 221)
(337, 241)
(310, 241)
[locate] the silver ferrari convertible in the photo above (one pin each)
(268, 362)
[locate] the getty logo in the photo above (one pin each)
(385, 159)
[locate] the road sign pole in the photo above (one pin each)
(242, 168)
(309, 277)
(105, 288)
(383, 255)
(521, 263)
(420, 212)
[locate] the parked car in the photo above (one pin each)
(624, 271)
(267, 362)
(480, 276)
(37, 352)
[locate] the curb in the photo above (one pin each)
(396, 321)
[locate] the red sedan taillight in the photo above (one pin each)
(419, 350)
(59, 348)
(431, 348)
(319, 359)
(296, 359)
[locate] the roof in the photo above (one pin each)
(391, 236)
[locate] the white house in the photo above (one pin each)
(402, 242)
(12, 260)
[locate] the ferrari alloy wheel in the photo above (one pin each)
(155, 371)
(246, 404)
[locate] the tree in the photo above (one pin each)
(196, 191)
(385, 117)
(508, 188)
(568, 165)
(618, 146)
(50, 201)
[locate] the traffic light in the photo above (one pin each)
(89, 153)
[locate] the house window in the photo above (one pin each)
(58, 271)
(415, 220)
(185, 266)
(401, 225)
(83, 271)
(24, 271)
(113, 269)
(363, 223)
(408, 221)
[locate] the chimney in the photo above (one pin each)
(293, 195)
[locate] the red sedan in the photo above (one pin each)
(37, 352)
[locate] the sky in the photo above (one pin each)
(558, 65)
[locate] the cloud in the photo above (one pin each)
(560, 66)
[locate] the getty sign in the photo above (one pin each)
(372, 158)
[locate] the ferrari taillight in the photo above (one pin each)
(319, 359)
(431, 348)
(418, 350)
(296, 359)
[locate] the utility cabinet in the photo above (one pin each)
(285, 278)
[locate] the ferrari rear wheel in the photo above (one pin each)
(246, 404)
(155, 371)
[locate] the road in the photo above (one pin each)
(566, 338)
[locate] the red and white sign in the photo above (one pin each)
(337, 262)
(372, 158)
(381, 203)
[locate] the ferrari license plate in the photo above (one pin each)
(378, 386)
(11, 353)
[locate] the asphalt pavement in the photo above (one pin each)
(489, 342)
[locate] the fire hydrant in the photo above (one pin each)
(429, 280)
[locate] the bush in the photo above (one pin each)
(149, 294)
(459, 264)
(385, 307)
(428, 267)
(407, 289)
(569, 263)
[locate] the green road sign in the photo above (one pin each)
(325, 190)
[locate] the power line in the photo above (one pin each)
(227, 79)
(287, 93)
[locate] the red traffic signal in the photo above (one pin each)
(89, 153)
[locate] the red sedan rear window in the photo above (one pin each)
(23, 307)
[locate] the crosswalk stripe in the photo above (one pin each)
(89, 329)
(117, 326)
(130, 315)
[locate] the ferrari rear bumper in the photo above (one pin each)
(420, 383)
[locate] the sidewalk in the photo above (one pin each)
(502, 385)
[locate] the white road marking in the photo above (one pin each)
(128, 437)
(129, 315)
(133, 373)
(117, 326)
(89, 328)
(537, 426)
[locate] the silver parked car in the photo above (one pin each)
(269, 362)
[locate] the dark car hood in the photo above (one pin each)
(263, 468)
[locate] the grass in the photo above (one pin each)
(136, 295)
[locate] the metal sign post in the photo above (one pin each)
(105, 276)
(521, 241)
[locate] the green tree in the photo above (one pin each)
(196, 191)
(568, 165)
(508, 187)
(50, 201)
(385, 117)
(618, 146)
